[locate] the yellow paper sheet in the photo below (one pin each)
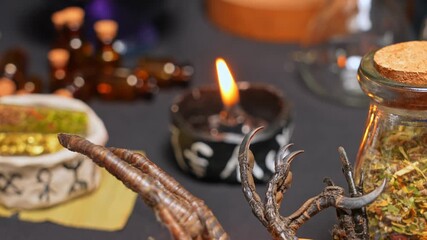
(108, 208)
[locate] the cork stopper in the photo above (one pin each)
(7, 87)
(403, 62)
(58, 57)
(64, 93)
(106, 30)
(74, 17)
(58, 19)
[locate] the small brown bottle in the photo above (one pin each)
(78, 88)
(59, 19)
(13, 65)
(31, 84)
(146, 85)
(58, 59)
(80, 49)
(73, 83)
(107, 58)
(166, 71)
(81, 85)
(120, 85)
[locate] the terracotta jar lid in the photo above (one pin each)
(403, 62)
(267, 20)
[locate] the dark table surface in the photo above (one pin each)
(320, 126)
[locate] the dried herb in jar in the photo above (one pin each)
(400, 156)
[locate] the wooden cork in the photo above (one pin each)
(58, 57)
(59, 19)
(106, 30)
(403, 62)
(7, 87)
(74, 17)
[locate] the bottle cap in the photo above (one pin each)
(403, 62)
(106, 30)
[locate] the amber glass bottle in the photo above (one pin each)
(59, 19)
(166, 71)
(107, 58)
(59, 73)
(120, 85)
(32, 84)
(80, 49)
(13, 65)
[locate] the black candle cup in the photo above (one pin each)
(211, 154)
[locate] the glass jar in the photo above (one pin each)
(394, 146)
(337, 38)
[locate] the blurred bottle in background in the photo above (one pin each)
(167, 72)
(338, 37)
(58, 71)
(107, 58)
(32, 84)
(66, 81)
(140, 22)
(13, 65)
(81, 51)
(60, 39)
(14, 77)
(123, 85)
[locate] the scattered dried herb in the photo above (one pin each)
(41, 119)
(400, 155)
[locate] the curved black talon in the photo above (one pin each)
(359, 202)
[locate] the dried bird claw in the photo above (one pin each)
(280, 227)
(187, 217)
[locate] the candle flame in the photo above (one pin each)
(227, 85)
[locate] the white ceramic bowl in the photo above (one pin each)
(35, 182)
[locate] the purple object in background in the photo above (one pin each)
(101, 9)
(137, 21)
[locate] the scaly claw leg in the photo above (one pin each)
(332, 196)
(152, 191)
(173, 226)
(248, 184)
(212, 227)
(142, 163)
(186, 216)
(129, 175)
(276, 187)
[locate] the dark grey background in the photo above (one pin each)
(320, 127)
